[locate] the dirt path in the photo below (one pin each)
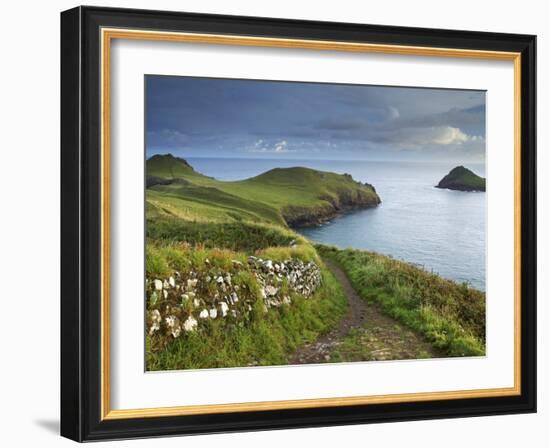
(364, 334)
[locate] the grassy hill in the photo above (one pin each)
(462, 179)
(209, 305)
(169, 167)
(282, 196)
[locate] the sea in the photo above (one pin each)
(439, 230)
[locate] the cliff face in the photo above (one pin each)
(462, 179)
(343, 201)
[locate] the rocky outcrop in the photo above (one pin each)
(186, 301)
(344, 202)
(462, 179)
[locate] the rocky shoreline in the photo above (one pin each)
(304, 217)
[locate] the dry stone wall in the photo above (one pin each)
(185, 301)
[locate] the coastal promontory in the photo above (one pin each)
(293, 196)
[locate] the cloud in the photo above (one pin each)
(227, 117)
(393, 112)
(452, 127)
(341, 124)
(277, 147)
(281, 146)
(449, 135)
(454, 117)
(170, 138)
(433, 136)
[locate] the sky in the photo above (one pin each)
(209, 117)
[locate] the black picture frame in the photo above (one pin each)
(81, 224)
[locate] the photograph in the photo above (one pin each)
(281, 222)
(291, 223)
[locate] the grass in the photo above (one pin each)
(237, 236)
(264, 338)
(280, 196)
(212, 204)
(201, 226)
(451, 316)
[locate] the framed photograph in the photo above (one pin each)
(276, 224)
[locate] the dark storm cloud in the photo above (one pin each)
(468, 119)
(238, 118)
(342, 124)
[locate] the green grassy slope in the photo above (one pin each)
(169, 167)
(451, 316)
(237, 236)
(258, 336)
(462, 179)
(201, 228)
(285, 195)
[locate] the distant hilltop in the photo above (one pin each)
(168, 165)
(462, 179)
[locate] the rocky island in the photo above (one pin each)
(462, 179)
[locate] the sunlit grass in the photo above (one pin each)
(264, 338)
(450, 315)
